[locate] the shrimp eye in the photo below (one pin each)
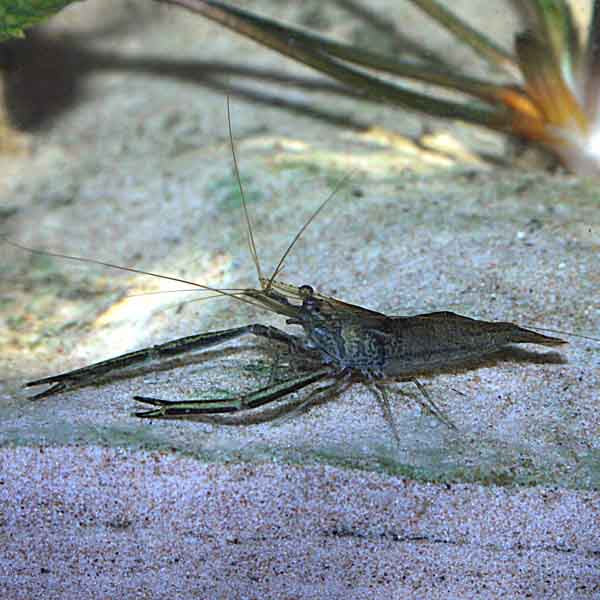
(306, 291)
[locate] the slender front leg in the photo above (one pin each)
(88, 375)
(205, 410)
(429, 405)
(432, 407)
(384, 402)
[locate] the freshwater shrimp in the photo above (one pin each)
(339, 344)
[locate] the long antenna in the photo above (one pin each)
(337, 188)
(236, 295)
(251, 244)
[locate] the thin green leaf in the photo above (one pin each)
(592, 64)
(482, 45)
(551, 21)
(365, 58)
(284, 40)
(387, 27)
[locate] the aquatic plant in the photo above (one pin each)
(550, 96)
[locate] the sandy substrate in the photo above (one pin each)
(131, 164)
(104, 523)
